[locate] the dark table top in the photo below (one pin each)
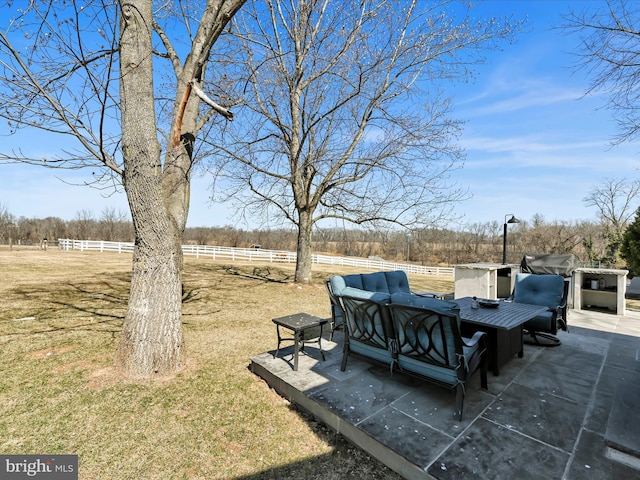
(299, 321)
(507, 315)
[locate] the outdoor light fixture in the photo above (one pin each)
(513, 219)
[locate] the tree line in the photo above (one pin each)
(475, 242)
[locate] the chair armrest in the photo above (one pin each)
(561, 307)
(563, 302)
(478, 338)
(561, 314)
(422, 293)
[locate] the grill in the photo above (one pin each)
(554, 263)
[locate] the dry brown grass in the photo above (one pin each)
(60, 317)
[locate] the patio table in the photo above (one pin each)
(306, 328)
(503, 325)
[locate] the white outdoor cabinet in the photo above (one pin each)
(610, 288)
(484, 280)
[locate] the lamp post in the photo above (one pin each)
(513, 219)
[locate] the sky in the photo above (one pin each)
(535, 145)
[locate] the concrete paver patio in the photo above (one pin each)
(544, 417)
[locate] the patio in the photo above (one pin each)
(544, 417)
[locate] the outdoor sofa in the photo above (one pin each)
(387, 323)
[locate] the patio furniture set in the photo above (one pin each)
(442, 341)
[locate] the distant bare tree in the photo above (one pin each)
(615, 200)
(594, 243)
(479, 233)
(7, 223)
(113, 224)
(198, 235)
(540, 236)
(83, 226)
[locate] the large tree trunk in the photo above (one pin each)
(303, 249)
(151, 340)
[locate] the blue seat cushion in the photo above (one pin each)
(379, 297)
(438, 372)
(377, 353)
(541, 322)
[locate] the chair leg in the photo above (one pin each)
(345, 354)
(562, 324)
(483, 372)
(335, 326)
(457, 412)
(549, 340)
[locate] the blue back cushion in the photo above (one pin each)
(375, 282)
(354, 281)
(397, 281)
(545, 290)
(423, 328)
(383, 282)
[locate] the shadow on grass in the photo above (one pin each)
(105, 301)
(262, 273)
(107, 312)
(345, 461)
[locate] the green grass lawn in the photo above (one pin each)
(60, 318)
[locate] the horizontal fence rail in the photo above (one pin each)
(259, 254)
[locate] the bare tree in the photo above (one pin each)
(52, 228)
(113, 224)
(615, 200)
(610, 54)
(342, 116)
(83, 225)
(7, 224)
(84, 70)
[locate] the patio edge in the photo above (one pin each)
(353, 433)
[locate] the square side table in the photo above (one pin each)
(306, 328)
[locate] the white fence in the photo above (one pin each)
(262, 255)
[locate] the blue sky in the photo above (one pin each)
(534, 144)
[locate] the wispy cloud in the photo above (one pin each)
(532, 144)
(537, 96)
